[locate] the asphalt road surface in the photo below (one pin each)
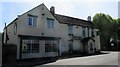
(103, 59)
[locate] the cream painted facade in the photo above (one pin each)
(59, 31)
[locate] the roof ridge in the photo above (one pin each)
(72, 17)
(75, 21)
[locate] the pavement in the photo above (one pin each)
(104, 59)
(30, 62)
(109, 58)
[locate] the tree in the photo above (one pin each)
(107, 27)
(118, 22)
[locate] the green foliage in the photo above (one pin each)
(118, 22)
(107, 28)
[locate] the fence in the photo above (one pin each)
(9, 52)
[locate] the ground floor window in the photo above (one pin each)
(51, 46)
(70, 45)
(30, 46)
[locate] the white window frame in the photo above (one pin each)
(83, 32)
(52, 46)
(30, 42)
(33, 20)
(70, 29)
(50, 23)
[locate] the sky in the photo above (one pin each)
(9, 9)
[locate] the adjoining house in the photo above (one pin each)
(43, 33)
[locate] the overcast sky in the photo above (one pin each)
(9, 9)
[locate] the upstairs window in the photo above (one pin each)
(92, 33)
(50, 23)
(88, 32)
(32, 20)
(70, 29)
(83, 31)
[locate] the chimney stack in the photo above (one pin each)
(52, 10)
(89, 18)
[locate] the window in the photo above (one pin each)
(30, 46)
(50, 23)
(50, 46)
(83, 31)
(32, 20)
(88, 32)
(70, 29)
(15, 28)
(92, 33)
(47, 47)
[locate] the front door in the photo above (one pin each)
(85, 46)
(91, 47)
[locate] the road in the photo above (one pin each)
(103, 59)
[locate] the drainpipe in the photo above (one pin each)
(5, 34)
(20, 49)
(58, 49)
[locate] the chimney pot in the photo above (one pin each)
(89, 18)
(52, 10)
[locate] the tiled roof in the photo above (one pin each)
(73, 21)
